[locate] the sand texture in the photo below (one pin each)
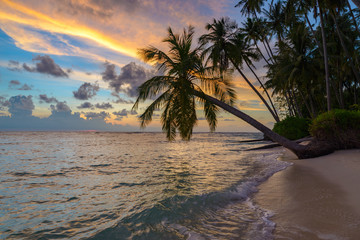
(315, 198)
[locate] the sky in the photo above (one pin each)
(73, 64)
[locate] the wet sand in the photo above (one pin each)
(315, 198)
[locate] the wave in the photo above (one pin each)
(180, 217)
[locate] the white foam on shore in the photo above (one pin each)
(262, 228)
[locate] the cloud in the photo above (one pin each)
(61, 118)
(25, 87)
(3, 103)
(103, 106)
(13, 84)
(86, 91)
(124, 113)
(14, 66)
(120, 99)
(88, 28)
(45, 64)
(45, 98)
(129, 79)
(21, 105)
(60, 107)
(95, 115)
(85, 105)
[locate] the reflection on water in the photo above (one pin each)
(119, 185)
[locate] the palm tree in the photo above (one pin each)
(178, 91)
(226, 44)
(252, 34)
(184, 71)
(249, 7)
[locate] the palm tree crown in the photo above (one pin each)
(183, 74)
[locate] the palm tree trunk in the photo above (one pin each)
(267, 94)
(268, 53)
(306, 104)
(347, 54)
(296, 103)
(300, 151)
(257, 47)
(357, 3)
(267, 43)
(253, 88)
(327, 76)
(289, 104)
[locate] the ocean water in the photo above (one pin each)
(98, 185)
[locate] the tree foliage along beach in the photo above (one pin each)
(309, 70)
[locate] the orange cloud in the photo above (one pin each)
(118, 26)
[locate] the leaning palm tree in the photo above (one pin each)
(185, 74)
(185, 83)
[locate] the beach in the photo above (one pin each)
(315, 198)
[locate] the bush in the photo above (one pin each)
(339, 127)
(355, 107)
(293, 128)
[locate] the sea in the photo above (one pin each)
(106, 185)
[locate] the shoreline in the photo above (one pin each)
(315, 198)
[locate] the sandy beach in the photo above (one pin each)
(315, 198)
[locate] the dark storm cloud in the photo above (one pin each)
(46, 65)
(45, 98)
(60, 107)
(86, 91)
(21, 105)
(85, 105)
(130, 78)
(94, 115)
(103, 106)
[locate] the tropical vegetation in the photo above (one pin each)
(310, 49)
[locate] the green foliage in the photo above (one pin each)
(292, 128)
(355, 107)
(342, 127)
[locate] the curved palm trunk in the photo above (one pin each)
(357, 3)
(327, 76)
(300, 151)
(266, 92)
(254, 89)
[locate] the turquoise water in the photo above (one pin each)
(80, 185)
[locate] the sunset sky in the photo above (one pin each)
(73, 65)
